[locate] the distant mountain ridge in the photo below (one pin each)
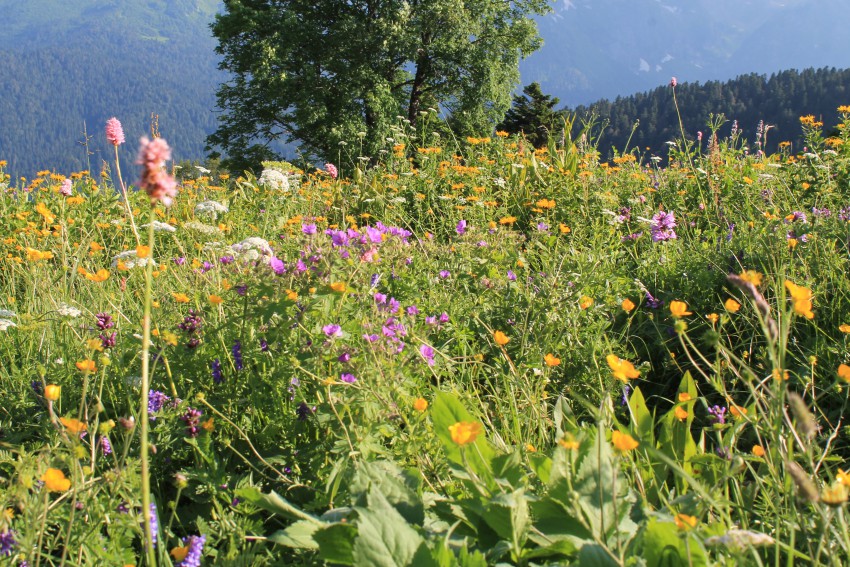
(605, 48)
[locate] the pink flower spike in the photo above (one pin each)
(156, 182)
(114, 132)
(673, 82)
(331, 170)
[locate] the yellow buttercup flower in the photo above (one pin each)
(52, 392)
(680, 413)
(585, 302)
(420, 405)
(338, 287)
(685, 522)
(844, 372)
(622, 370)
(180, 297)
(501, 338)
(627, 305)
(731, 305)
(551, 360)
(679, 309)
(464, 432)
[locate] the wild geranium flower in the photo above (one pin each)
(54, 480)
(623, 442)
(428, 354)
(679, 309)
(464, 433)
(461, 227)
(156, 182)
(114, 132)
(348, 378)
(332, 330)
(622, 370)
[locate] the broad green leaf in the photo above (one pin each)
(508, 515)
(400, 488)
(664, 546)
(642, 421)
(384, 538)
(336, 543)
(594, 555)
(299, 535)
(445, 412)
(541, 465)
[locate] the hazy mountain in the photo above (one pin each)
(605, 48)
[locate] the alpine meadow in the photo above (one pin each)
(463, 327)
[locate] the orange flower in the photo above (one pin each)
(680, 413)
(585, 302)
(97, 277)
(679, 309)
(551, 360)
(179, 553)
(143, 251)
(844, 372)
(215, 299)
(291, 295)
(628, 305)
(731, 305)
(464, 432)
(685, 522)
(420, 405)
(180, 297)
(751, 276)
(86, 366)
(501, 338)
(737, 411)
(73, 426)
(52, 392)
(844, 328)
(338, 287)
(507, 220)
(623, 442)
(622, 370)
(713, 318)
(34, 255)
(758, 451)
(684, 397)
(564, 228)
(568, 442)
(55, 481)
(843, 477)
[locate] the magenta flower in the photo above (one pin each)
(114, 132)
(348, 378)
(461, 227)
(156, 182)
(428, 354)
(331, 170)
(332, 330)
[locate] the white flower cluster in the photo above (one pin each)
(130, 260)
(739, 540)
(160, 226)
(66, 310)
(274, 179)
(6, 319)
(211, 208)
(200, 227)
(252, 249)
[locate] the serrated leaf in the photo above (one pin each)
(662, 546)
(384, 538)
(299, 535)
(445, 412)
(399, 488)
(336, 543)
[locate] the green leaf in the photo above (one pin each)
(299, 535)
(400, 488)
(508, 515)
(336, 543)
(643, 423)
(384, 538)
(664, 546)
(541, 465)
(275, 503)
(594, 555)
(445, 412)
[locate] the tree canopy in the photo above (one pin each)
(329, 71)
(533, 114)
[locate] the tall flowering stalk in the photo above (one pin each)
(159, 186)
(115, 136)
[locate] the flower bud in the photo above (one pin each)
(52, 392)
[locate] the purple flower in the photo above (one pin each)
(380, 298)
(718, 414)
(236, 350)
(348, 378)
(631, 237)
(180, 260)
(542, 226)
(277, 265)
(375, 235)
(511, 276)
(624, 214)
(105, 445)
(156, 401)
(154, 525)
(104, 321)
(206, 267)
(796, 216)
(370, 338)
(215, 369)
(482, 244)
(393, 305)
(661, 227)
(241, 289)
(624, 399)
(445, 273)
(332, 330)
(308, 228)
(331, 170)
(264, 345)
(7, 542)
(344, 357)
(444, 317)
(413, 310)
(652, 302)
(431, 320)
(461, 227)
(196, 548)
(192, 418)
(108, 341)
(226, 260)
(428, 354)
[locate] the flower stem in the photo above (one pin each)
(143, 426)
(126, 202)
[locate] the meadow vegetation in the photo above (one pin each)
(472, 352)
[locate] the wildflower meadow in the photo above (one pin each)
(462, 352)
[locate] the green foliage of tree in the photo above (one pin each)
(778, 101)
(533, 114)
(328, 72)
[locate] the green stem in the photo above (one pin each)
(126, 202)
(143, 426)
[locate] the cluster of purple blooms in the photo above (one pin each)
(718, 414)
(236, 351)
(196, 548)
(156, 401)
(192, 419)
(7, 543)
(191, 325)
(661, 227)
(342, 240)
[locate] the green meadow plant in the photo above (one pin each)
(466, 351)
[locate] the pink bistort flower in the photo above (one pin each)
(114, 132)
(331, 170)
(156, 182)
